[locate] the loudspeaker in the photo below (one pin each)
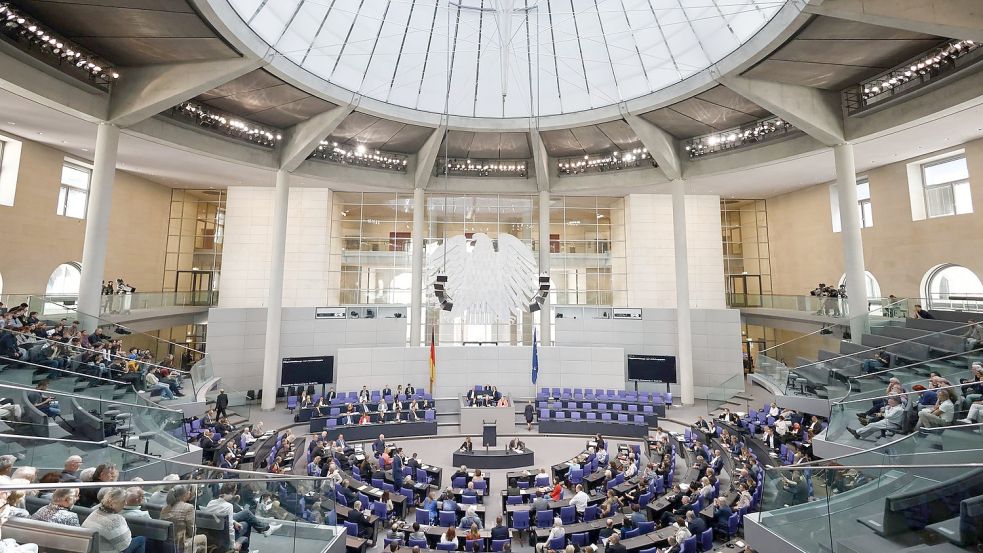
(534, 307)
(446, 306)
(544, 284)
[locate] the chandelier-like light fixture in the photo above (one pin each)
(615, 161)
(737, 137)
(228, 124)
(482, 167)
(927, 65)
(57, 50)
(360, 156)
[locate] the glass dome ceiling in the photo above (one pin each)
(507, 58)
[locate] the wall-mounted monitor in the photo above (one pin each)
(307, 370)
(654, 368)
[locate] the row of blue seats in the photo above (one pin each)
(547, 414)
(590, 406)
(602, 394)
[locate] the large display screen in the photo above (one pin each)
(657, 368)
(307, 370)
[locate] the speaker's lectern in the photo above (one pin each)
(489, 434)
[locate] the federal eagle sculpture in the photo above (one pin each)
(488, 280)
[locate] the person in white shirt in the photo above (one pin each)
(579, 500)
(774, 411)
(631, 470)
(556, 532)
(682, 532)
(893, 415)
(781, 428)
(134, 504)
(941, 415)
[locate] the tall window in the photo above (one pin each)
(74, 193)
(863, 198)
(946, 183)
(953, 287)
(863, 203)
(65, 280)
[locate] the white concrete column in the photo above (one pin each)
(545, 319)
(684, 351)
(97, 224)
(418, 241)
(274, 300)
(853, 247)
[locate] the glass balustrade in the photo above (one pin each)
(842, 367)
(182, 355)
(884, 498)
(722, 394)
(273, 513)
(100, 413)
(54, 305)
(818, 305)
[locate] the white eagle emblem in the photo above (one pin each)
(487, 280)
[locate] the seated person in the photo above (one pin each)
(877, 363)
(467, 446)
(893, 416)
(472, 397)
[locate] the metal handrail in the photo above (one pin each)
(847, 467)
(812, 464)
(915, 364)
(106, 353)
(866, 314)
(47, 368)
(130, 452)
(108, 322)
(876, 348)
(80, 396)
(906, 393)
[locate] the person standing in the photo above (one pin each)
(529, 412)
(221, 404)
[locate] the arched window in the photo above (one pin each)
(65, 280)
(873, 288)
(952, 287)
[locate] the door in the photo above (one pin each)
(195, 287)
(751, 349)
(745, 290)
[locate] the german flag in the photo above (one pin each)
(433, 359)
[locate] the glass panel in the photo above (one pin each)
(74, 176)
(950, 170)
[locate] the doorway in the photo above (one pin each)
(195, 287)
(745, 290)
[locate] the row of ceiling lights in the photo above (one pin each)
(359, 155)
(734, 138)
(38, 36)
(228, 124)
(924, 65)
(614, 161)
(482, 168)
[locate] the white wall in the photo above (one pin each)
(651, 251)
(236, 339)
(459, 368)
(588, 352)
(716, 341)
(248, 243)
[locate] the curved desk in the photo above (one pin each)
(494, 459)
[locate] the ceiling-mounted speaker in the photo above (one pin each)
(446, 306)
(534, 307)
(544, 284)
